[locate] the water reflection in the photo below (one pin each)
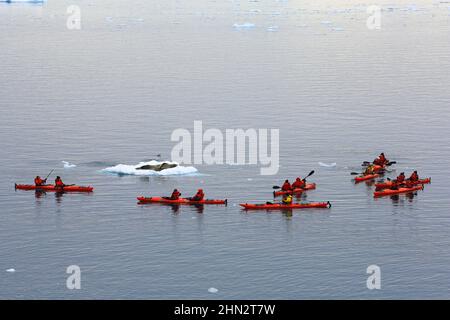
(38, 194)
(175, 208)
(199, 208)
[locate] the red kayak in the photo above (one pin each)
(143, 200)
(366, 177)
(280, 206)
(51, 187)
(309, 186)
(388, 184)
(390, 192)
(378, 168)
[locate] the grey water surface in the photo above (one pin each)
(114, 91)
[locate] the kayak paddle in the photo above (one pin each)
(367, 163)
(309, 175)
(49, 174)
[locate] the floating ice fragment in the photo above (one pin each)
(213, 290)
(68, 165)
(246, 25)
(327, 165)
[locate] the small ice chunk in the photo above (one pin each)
(213, 290)
(328, 165)
(68, 165)
(11, 270)
(246, 25)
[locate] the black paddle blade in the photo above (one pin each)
(354, 173)
(276, 187)
(309, 175)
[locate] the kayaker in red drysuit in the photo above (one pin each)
(38, 181)
(298, 183)
(286, 186)
(59, 183)
(175, 195)
(401, 178)
(198, 196)
(414, 177)
(381, 160)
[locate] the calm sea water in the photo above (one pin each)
(114, 91)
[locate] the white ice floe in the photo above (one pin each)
(11, 270)
(246, 25)
(125, 169)
(23, 1)
(327, 165)
(213, 290)
(68, 165)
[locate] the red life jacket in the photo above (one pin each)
(286, 187)
(298, 184)
(414, 177)
(175, 195)
(38, 181)
(198, 196)
(59, 183)
(378, 162)
(401, 178)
